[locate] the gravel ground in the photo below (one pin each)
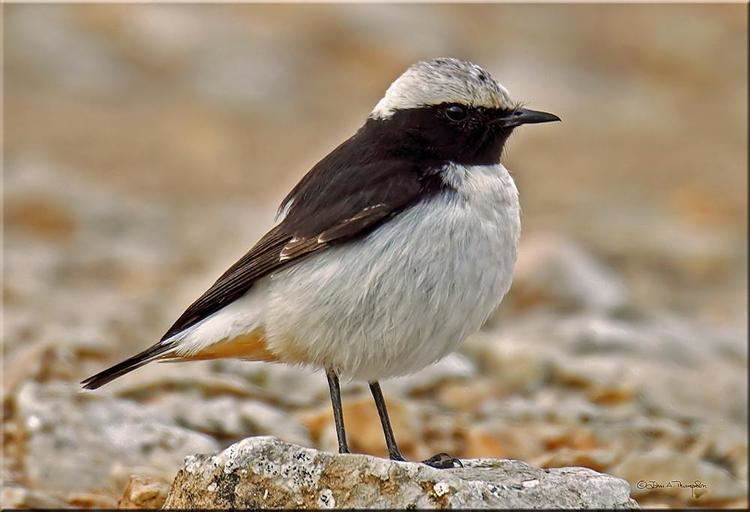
(146, 147)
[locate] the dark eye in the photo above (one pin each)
(456, 113)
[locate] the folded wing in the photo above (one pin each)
(314, 222)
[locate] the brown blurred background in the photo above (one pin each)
(146, 147)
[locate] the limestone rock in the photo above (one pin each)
(144, 492)
(20, 497)
(555, 272)
(231, 418)
(82, 443)
(264, 472)
(454, 367)
(663, 472)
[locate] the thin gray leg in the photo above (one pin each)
(393, 452)
(338, 413)
(439, 461)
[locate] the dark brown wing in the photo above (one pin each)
(344, 229)
(331, 205)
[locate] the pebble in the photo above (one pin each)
(81, 444)
(144, 492)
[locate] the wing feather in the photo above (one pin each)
(330, 206)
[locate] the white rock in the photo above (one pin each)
(283, 475)
(82, 442)
(231, 418)
(557, 273)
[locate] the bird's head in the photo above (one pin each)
(452, 110)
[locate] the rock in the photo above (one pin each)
(479, 441)
(144, 492)
(20, 497)
(598, 460)
(23, 364)
(546, 405)
(48, 37)
(514, 364)
(466, 396)
(95, 500)
(285, 385)
(231, 418)
(293, 386)
(556, 273)
(604, 380)
(264, 472)
(664, 472)
(78, 443)
(42, 217)
(364, 433)
(193, 377)
(533, 440)
(653, 358)
(453, 367)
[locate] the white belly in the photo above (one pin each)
(409, 293)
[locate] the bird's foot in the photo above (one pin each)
(439, 461)
(443, 461)
(396, 456)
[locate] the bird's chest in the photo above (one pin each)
(412, 290)
(463, 245)
(433, 274)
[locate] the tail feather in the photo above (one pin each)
(126, 366)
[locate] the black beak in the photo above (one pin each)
(524, 116)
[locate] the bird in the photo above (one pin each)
(385, 256)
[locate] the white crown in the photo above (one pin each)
(443, 80)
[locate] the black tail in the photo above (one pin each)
(126, 366)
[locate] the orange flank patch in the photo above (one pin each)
(251, 347)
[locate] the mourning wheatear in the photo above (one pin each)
(386, 255)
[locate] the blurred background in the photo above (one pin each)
(147, 146)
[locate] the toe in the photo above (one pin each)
(397, 457)
(443, 461)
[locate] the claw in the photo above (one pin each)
(443, 461)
